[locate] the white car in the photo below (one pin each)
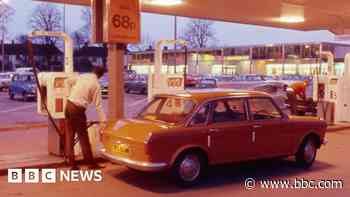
(5, 80)
(24, 70)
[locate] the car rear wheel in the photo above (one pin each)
(11, 95)
(188, 169)
(301, 113)
(143, 91)
(306, 154)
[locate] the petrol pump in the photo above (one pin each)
(342, 109)
(325, 90)
(53, 92)
(162, 83)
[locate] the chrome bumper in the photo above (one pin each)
(325, 141)
(138, 165)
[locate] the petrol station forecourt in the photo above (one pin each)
(330, 90)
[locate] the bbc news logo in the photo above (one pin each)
(52, 176)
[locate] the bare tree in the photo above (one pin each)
(78, 39)
(86, 29)
(146, 43)
(46, 17)
(198, 33)
(21, 39)
(6, 12)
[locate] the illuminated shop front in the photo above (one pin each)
(295, 69)
(272, 59)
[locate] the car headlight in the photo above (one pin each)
(31, 90)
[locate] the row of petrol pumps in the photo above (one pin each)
(331, 92)
(53, 89)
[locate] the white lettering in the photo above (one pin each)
(48, 175)
(64, 176)
(31, 175)
(86, 175)
(14, 175)
(74, 175)
(98, 176)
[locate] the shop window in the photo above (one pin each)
(274, 69)
(290, 69)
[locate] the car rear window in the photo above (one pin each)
(168, 109)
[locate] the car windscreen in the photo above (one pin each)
(171, 110)
(27, 78)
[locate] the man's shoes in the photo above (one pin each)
(75, 167)
(96, 166)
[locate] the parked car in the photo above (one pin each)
(186, 132)
(24, 70)
(5, 80)
(277, 90)
(23, 85)
(253, 77)
(139, 85)
(191, 81)
(129, 75)
(300, 106)
(206, 83)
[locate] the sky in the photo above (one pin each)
(162, 27)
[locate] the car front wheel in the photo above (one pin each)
(25, 96)
(306, 154)
(188, 169)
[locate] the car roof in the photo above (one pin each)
(200, 95)
(25, 74)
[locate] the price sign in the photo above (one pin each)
(122, 21)
(175, 82)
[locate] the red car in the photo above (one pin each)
(187, 132)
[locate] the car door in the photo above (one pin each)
(20, 84)
(14, 84)
(229, 131)
(271, 132)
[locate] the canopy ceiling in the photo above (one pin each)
(333, 15)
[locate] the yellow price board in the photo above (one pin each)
(121, 21)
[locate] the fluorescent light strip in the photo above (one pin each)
(164, 2)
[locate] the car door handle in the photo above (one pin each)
(214, 130)
(253, 136)
(257, 126)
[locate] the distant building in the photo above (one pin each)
(272, 59)
(46, 57)
(88, 56)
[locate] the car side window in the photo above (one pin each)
(263, 109)
(201, 116)
(153, 107)
(230, 110)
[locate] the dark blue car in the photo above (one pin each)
(23, 86)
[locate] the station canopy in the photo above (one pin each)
(332, 15)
